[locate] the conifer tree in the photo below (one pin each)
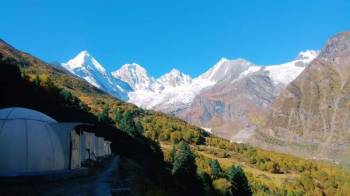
(127, 124)
(185, 171)
(215, 168)
(239, 182)
(139, 127)
(118, 116)
(103, 116)
(173, 153)
(206, 182)
(184, 162)
(37, 80)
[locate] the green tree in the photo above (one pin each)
(185, 171)
(206, 182)
(139, 127)
(37, 80)
(127, 124)
(215, 168)
(118, 116)
(67, 96)
(184, 162)
(103, 116)
(51, 85)
(239, 181)
(173, 153)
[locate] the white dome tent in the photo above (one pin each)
(32, 143)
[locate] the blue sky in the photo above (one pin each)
(188, 35)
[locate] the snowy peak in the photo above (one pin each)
(226, 68)
(175, 78)
(136, 76)
(307, 55)
(88, 68)
(84, 59)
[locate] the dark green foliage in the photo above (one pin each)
(215, 167)
(50, 85)
(207, 183)
(118, 116)
(139, 127)
(127, 124)
(173, 153)
(185, 170)
(184, 163)
(37, 80)
(67, 96)
(239, 182)
(103, 117)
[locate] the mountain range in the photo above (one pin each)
(227, 100)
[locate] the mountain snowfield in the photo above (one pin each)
(86, 67)
(175, 91)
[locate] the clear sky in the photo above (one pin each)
(188, 35)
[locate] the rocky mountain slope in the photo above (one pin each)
(311, 116)
(237, 103)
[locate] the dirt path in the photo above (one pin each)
(103, 181)
(99, 184)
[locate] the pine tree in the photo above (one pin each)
(206, 182)
(185, 171)
(37, 80)
(173, 153)
(215, 168)
(239, 181)
(127, 124)
(118, 116)
(103, 116)
(184, 163)
(139, 127)
(50, 85)
(67, 96)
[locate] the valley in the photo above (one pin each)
(147, 138)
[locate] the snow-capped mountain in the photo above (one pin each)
(231, 106)
(224, 68)
(86, 67)
(224, 98)
(228, 91)
(137, 77)
(175, 78)
(286, 72)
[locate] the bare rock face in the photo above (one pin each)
(311, 117)
(229, 108)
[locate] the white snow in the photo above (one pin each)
(175, 89)
(88, 68)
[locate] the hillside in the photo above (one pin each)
(29, 82)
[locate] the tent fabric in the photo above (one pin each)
(99, 146)
(28, 146)
(107, 146)
(70, 141)
(24, 113)
(88, 146)
(75, 151)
